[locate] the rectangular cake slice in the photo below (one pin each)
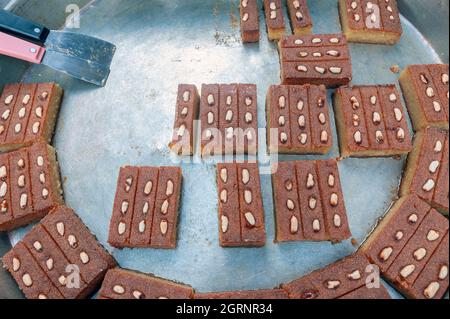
(425, 88)
(186, 113)
(30, 185)
(249, 14)
(28, 114)
(274, 19)
(375, 21)
(315, 59)
(241, 211)
(127, 284)
(301, 22)
(426, 172)
(371, 122)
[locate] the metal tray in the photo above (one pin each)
(161, 44)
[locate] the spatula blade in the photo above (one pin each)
(85, 70)
(81, 47)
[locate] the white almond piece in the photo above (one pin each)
(2, 172)
(6, 114)
(119, 289)
(331, 180)
(229, 116)
(145, 208)
(60, 228)
(324, 136)
(37, 245)
(337, 220)
(316, 41)
(335, 70)
(312, 203)
(434, 167)
(420, 254)
(437, 106)
(50, 263)
(283, 137)
(148, 188)
(184, 111)
(413, 218)
(320, 69)
(18, 128)
(354, 5)
(142, 226)
(210, 118)
(429, 185)
(165, 207)
(334, 200)
(431, 290)
(163, 227)
(229, 100)
(16, 264)
(333, 284)
(40, 161)
(322, 118)
(186, 96)
(399, 235)
(39, 112)
(250, 219)
(376, 118)
(398, 114)
(300, 105)
(224, 196)
(169, 188)
(42, 178)
(62, 280)
(316, 225)
(429, 92)
(84, 257)
(310, 181)
(3, 189)
(124, 207)
(400, 134)
(393, 97)
(334, 40)
(248, 197)
(9, 99)
(443, 272)
(302, 68)
(44, 193)
(303, 138)
(290, 205)
(22, 113)
(72, 240)
(224, 224)
(444, 78)
(298, 42)
(27, 281)
(357, 137)
(245, 17)
(282, 102)
(302, 121)
(224, 175)
(357, 17)
(407, 271)
(294, 225)
(121, 228)
(386, 253)
(21, 181)
(373, 100)
(433, 235)
(273, 15)
(438, 147)
(248, 117)
(356, 275)
(248, 101)
(281, 121)
(23, 200)
(210, 99)
(245, 176)
(26, 99)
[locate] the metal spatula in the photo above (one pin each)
(77, 55)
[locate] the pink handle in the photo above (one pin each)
(20, 49)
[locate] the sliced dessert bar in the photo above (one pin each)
(241, 211)
(371, 122)
(426, 173)
(28, 114)
(30, 185)
(186, 113)
(315, 59)
(375, 21)
(245, 295)
(334, 281)
(298, 120)
(274, 19)
(146, 206)
(425, 88)
(127, 284)
(309, 203)
(249, 21)
(301, 22)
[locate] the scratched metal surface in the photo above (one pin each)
(161, 44)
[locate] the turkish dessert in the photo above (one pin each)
(229, 119)
(298, 120)
(241, 210)
(30, 185)
(315, 59)
(146, 206)
(58, 259)
(425, 88)
(249, 21)
(127, 284)
(301, 22)
(376, 21)
(426, 173)
(245, 295)
(309, 203)
(371, 121)
(28, 114)
(337, 281)
(186, 113)
(275, 23)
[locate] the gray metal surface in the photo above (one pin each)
(163, 43)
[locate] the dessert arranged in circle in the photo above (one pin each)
(298, 120)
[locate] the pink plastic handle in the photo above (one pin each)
(20, 49)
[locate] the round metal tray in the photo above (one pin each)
(161, 44)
